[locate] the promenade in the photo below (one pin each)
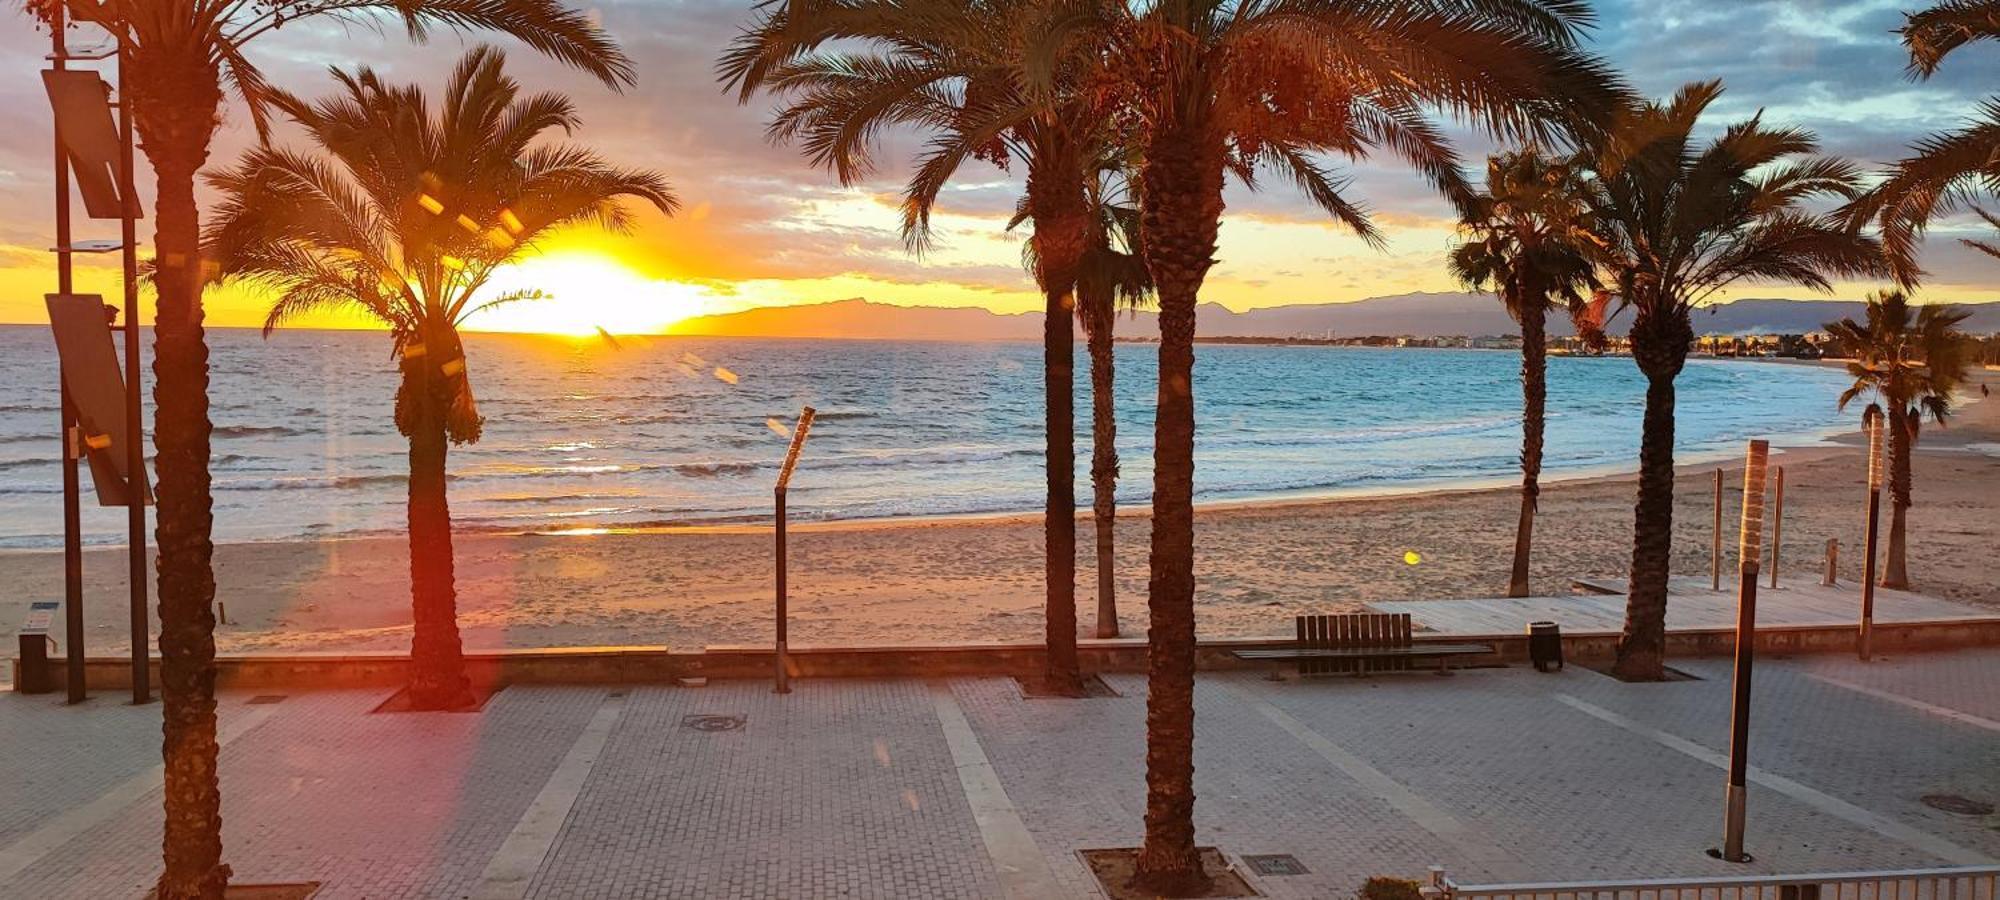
(961, 788)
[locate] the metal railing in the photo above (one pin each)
(1957, 883)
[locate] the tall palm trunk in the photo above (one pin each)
(1660, 347)
(175, 99)
(1059, 526)
(1534, 398)
(1182, 185)
(1103, 458)
(1895, 571)
(437, 662)
(1055, 196)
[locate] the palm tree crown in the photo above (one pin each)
(1682, 222)
(1529, 234)
(1111, 275)
(408, 212)
(997, 80)
(1947, 171)
(1911, 358)
(216, 31)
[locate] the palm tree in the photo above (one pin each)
(178, 55)
(1913, 365)
(997, 80)
(1110, 277)
(1529, 236)
(1239, 86)
(1680, 222)
(403, 216)
(1947, 170)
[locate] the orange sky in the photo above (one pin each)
(761, 227)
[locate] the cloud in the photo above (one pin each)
(757, 212)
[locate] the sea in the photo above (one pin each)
(661, 432)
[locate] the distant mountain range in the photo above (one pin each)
(1420, 315)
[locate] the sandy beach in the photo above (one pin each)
(886, 582)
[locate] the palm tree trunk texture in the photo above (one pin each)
(1104, 466)
(1895, 571)
(175, 100)
(437, 662)
(1534, 397)
(1182, 184)
(1660, 349)
(1059, 527)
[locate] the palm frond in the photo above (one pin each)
(1932, 34)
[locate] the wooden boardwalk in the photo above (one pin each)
(1691, 606)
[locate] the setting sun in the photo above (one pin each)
(588, 292)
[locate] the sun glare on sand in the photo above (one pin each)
(587, 293)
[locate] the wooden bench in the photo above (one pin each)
(1360, 643)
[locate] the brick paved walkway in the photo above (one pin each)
(859, 789)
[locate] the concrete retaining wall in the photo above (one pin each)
(640, 665)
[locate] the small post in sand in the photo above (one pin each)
(1715, 539)
(1777, 527)
(784, 479)
(1873, 420)
(1749, 553)
(1832, 576)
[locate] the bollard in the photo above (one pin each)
(1832, 577)
(1777, 527)
(781, 658)
(1715, 540)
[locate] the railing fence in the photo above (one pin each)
(1958, 883)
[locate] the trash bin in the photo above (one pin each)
(32, 674)
(1545, 645)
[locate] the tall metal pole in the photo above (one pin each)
(1865, 638)
(1778, 527)
(781, 658)
(71, 444)
(135, 493)
(784, 677)
(1715, 539)
(1749, 553)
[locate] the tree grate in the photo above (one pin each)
(714, 723)
(1275, 864)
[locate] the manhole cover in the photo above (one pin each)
(1275, 864)
(714, 723)
(1953, 803)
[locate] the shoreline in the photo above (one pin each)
(1799, 446)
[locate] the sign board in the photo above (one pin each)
(96, 390)
(82, 105)
(41, 616)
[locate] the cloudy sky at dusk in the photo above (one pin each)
(760, 227)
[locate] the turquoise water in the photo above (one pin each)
(582, 434)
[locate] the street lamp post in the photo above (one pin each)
(1749, 551)
(1873, 421)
